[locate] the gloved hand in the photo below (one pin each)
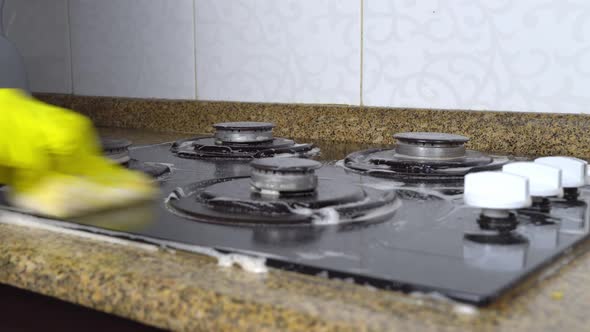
(51, 159)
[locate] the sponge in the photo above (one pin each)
(66, 196)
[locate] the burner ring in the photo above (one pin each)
(243, 132)
(431, 146)
(116, 150)
(284, 176)
(434, 151)
(431, 137)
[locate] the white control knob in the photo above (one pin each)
(496, 190)
(573, 170)
(587, 169)
(544, 180)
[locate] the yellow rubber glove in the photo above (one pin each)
(51, 159)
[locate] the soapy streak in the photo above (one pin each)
(246, 262)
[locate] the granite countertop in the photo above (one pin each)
(182, 291)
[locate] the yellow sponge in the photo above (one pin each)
(65, 196)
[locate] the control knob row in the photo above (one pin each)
(514, 187)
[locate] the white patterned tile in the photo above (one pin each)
(133, 48)
(301, 51)
(526, 55)
(39, 29)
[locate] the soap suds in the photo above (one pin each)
(464, 309)
(22, 220)
(247, 263)
(326, 216)
(326, 254)
(457, 308)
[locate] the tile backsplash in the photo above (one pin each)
(295, 51)
(39, 29)
(133, 48)
(529, 55)
(526, 55)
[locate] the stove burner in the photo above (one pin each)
(118, 151)
(241, 140)
(431, 146)
(423, 156)
(282, 192)
(284, 176)
(243, 132)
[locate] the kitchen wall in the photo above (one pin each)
(526, 55)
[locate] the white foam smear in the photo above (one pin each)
(457, 308)
(326, 254)
(326, 216)
(176, 194)
(311, 153)
(330, 216)
(339, 163)
(435, 192)
(323, 216)
(16, 219)
(465, 309)
(247, 263)
(268, 192)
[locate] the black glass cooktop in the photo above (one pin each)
(431, 243)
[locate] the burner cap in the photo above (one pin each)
(244, 125)
(278, 176)
(286, 164)
(425, 137)
(243, 132)
(109, 144)
(433, 146)
(116, 149)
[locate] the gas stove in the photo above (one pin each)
(423, 157)
(241, 140)
(117, 150)
(434, 219)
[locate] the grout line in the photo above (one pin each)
(195, 46)
(2, 31)
(362, 51)
(69, 27)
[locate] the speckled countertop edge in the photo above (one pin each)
(501, 132)
(181, 291)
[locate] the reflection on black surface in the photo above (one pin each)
(224, 168)
(541, 230)
(573, 215)
(500, 251)
(286, 236)
(540, 205)
(128, 219)
(500, 225)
